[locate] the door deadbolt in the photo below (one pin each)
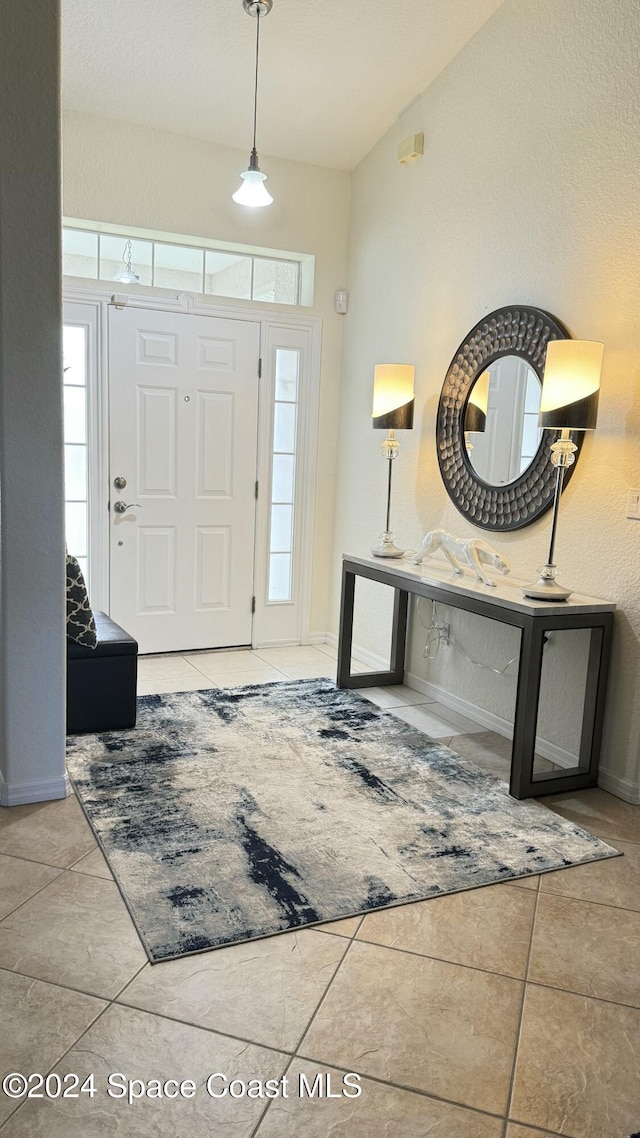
(122, 507)
(119, 482)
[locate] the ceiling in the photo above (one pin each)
(334, 75)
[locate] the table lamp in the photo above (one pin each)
(569, 402)
(393, 404)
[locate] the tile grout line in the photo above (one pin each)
(62, 868)
(311, 1019)
(79, 1039)
(536, 1129)
(440, 959)
(31, 897)
(520, 1020)
(582, 995)
(323, 997)
(430, 1095)
(262, 1117)
(199, 1027)
(586, 900)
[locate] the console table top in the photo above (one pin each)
(506, 594)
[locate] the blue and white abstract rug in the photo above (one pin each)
(237, 813)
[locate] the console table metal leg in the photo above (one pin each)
(523, 781)
(526, 715)
(345, 635)
(399, 635)
(591, 720)
(395, 673)
(597, 680)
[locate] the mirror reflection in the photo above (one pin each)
(501, 421)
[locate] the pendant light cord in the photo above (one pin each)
(255, 97)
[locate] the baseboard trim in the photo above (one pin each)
(376, 663)
(621, 787)
(276, 644)
(544, 747)
(34, 790)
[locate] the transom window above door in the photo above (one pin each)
(100, 252)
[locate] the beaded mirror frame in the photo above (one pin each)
(516, 330)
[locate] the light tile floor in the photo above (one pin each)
(504, 1012)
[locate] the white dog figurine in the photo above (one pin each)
(475, 553)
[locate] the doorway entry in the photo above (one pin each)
(183, 436)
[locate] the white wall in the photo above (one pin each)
(528, 192)
(135, 176)
(32, 638)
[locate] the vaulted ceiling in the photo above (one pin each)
(334, 75)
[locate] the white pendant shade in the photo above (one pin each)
(127, 276)
(253, 191)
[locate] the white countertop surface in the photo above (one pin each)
(506, 594)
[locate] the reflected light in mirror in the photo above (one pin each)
(475, 419)
(502, 435)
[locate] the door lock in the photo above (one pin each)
(119, 482)
(122, 507)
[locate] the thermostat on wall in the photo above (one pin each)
(342, 300)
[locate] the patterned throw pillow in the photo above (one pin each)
(81, 626)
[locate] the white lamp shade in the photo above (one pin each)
(253, 191)
(571, 384)
(392, 387)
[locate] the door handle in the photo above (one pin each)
(122, 507)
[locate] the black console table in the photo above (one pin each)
(503, 603)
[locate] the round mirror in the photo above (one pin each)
(501, 433)
(494, 461)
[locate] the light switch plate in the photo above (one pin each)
(633, 505)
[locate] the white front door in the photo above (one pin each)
(183, 408)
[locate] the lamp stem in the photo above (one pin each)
(387, 547)
(556, 505)
(546, 588)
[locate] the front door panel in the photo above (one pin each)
(183, 401)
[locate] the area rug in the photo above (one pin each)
(237, 813)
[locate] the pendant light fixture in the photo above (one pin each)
(127, 275)
(253, 191)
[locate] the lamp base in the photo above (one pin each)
(387, 547)
(546, 589)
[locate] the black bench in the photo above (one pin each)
(101, 681)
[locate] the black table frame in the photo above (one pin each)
(524, 782)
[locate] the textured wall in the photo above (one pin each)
(32, 645)
(528, 192)
(131, 175)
